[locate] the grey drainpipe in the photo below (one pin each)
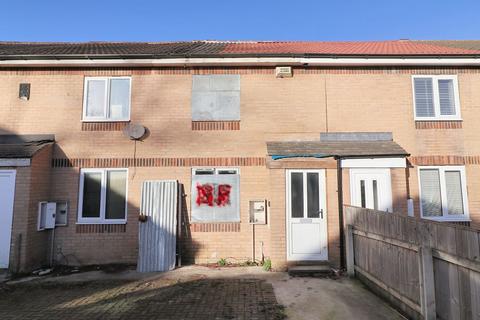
(340, 211)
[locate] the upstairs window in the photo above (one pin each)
(436, 98)
(103, 196)
(216, 98)
(215, 195)
(106, 99)
(443, 193)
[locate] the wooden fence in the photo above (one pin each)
(427, 269)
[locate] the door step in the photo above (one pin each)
(317, 271)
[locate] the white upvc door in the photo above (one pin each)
(306, 215)
(371, 188)
(7, 193)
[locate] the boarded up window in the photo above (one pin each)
(216, 97)
(216, 197)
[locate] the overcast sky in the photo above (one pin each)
(148, 20)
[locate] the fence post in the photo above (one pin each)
(350, 255)
(427, 283)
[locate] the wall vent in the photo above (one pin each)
(24, 91)
(283, 72)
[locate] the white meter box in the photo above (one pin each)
(46, 215)
(258, 211)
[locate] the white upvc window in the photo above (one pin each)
(443, 193)
(106, 99)
(436, 98)
(103, 196)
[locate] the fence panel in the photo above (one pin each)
(388, 251)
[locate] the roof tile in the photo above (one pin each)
(222, 48)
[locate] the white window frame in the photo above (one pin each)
(103, 195)
(436, 98)
(443, 193)
(215, 170)
(106, 106)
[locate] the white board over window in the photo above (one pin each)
(216, 97)
(216, 198)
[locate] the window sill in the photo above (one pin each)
(453, 219)
(106, 120)
(100, 228)
(221, 125)
(215, 226)
(104, 125)
(101, 222)
(438, 124)
(438, 119)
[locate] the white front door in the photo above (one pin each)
(7, 192)
(306, 215)
(371, 188)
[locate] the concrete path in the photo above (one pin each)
(192, 292)
(327, 299)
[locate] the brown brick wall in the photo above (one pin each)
(30, 248)
(37, 242)
(314, 100)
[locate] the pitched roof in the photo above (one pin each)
(16, 50)
(462, 44)
(335, 148)
(23, 146)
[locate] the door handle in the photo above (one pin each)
(321, 213)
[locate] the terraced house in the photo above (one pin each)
(150, 153)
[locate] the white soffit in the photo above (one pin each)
(245, 61)
(5, 162)
(374, 163)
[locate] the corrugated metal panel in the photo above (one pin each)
(157, 236)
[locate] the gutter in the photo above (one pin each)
(234, 60)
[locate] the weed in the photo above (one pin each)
(267, 265)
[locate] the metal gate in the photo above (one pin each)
(157, 233)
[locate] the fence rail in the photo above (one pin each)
(428, 269)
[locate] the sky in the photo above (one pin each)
(148, 20)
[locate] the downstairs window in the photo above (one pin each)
(443, 193)
(103, 196)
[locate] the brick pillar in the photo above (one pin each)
(277, 219)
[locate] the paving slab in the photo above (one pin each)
(192, 292)
(329, 299)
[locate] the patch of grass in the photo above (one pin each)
(267, 265)
(222, 262)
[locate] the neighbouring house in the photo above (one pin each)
(231, 150)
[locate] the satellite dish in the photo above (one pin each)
(134, 131)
